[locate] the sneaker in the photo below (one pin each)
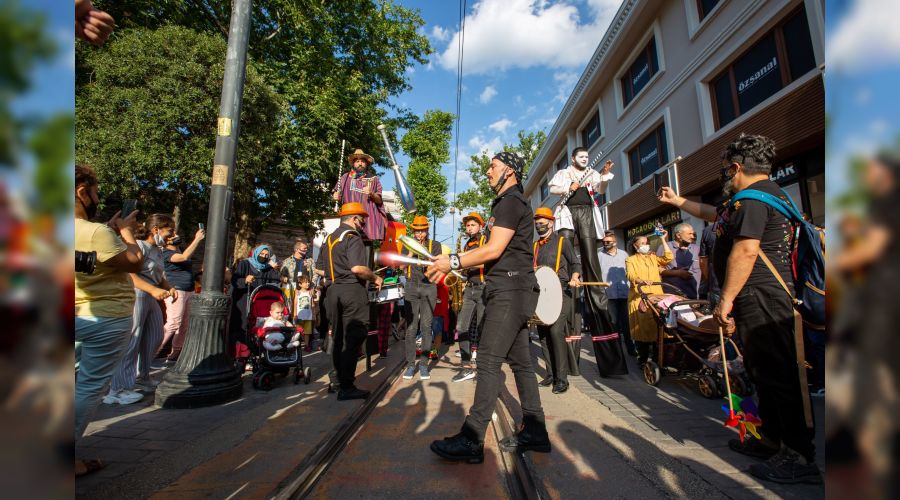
(122, 397)
(752, 447)
(466, 374)
(458, 354)
(410, 372)
(474, 354)
(423, 372)
(787, 467)
(158, 364)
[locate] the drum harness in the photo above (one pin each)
(331, 246)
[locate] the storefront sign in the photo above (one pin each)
(667, 219)
(784, 174)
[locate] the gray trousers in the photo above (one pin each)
(472, 307)
(420, 301)
(99, 346)
(146, 336)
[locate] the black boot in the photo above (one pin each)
(532, 437)
(465, 446)
(560, 386)
(546, 382)
(352, 393)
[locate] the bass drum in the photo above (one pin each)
(549, 304)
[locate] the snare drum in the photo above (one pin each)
(390, 292)
(550, 301)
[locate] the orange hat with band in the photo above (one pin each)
(352, 208)
(545, 213)
(420, 222)
(473, 216)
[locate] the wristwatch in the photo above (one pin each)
(454, 261)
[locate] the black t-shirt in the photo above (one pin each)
(416, 274)
(511, 211)
(545, 255)
(475, 275)
(346, 252)
(579, 197)
(756, 220)
(179, 274)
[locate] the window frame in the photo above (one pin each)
(782, 53)
(583, 128)
(544, 189)
(661, 131)
(626, 73)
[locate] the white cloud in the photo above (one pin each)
(500, 125)
(489, 147)
(504, 34)
(565, 82)
(440, 34)
(866, 37)
(487, 94)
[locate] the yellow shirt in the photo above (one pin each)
(106, 293)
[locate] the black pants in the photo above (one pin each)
(504, 337)
(323, 325)
(472, 309)
(553, 342)
(609, 354)
(764, 319)
(420, 300)
(348, 307)
(618, 310)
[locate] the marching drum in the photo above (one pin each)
(390, 292)
(550, 301)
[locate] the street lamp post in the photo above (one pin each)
(205, 374)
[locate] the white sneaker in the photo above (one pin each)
(458, 354)
(146, 384)
(474, 355)
(123, 397)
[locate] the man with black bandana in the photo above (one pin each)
(556, 252)
(579, 219)
(346, 268)
(510, 297)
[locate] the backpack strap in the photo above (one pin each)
(785, 208)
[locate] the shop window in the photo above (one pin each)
(639, 73)
(648, 155)
(591, 131)
(704, 7)
(780, 57)
(545, 190)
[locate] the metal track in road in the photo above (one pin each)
(317, 464)
(520, 475)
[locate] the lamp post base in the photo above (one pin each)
(204, 374)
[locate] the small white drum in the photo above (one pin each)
(389, 293)
(550, 301)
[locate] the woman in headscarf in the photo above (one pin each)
(248, 274)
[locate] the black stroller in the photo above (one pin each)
(266, 364)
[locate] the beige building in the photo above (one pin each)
(683, 78)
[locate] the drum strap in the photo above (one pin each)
(331, 246)
(558, 253)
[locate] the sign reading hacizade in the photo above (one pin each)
(646, 227)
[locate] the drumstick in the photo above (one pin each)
(593, 283)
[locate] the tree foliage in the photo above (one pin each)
(332, 66)
(479, 197)
(428, 145)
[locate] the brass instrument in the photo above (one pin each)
(455, 284)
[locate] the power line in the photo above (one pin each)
(459, 76)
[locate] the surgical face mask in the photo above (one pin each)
(160, 241)
(542, 229)
(644, 249)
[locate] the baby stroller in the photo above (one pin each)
(267, 363)
(687, 344)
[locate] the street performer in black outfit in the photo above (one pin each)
(556, 252)
(348, 301)
(510, 297)
(473, 305)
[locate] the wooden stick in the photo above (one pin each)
(725, 367)
(593, 283)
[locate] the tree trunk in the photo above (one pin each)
(244, 237)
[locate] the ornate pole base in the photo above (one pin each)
(204, 374)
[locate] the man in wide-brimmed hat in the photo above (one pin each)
(357, 186)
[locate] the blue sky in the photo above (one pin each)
(521, 60)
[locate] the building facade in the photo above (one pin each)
(682, 78)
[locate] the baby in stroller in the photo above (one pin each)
(273, 331)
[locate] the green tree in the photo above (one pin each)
(428, 145)
(479, 197)
(147, 121)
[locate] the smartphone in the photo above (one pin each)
(128, 206)
(660, 180)
(201, 226)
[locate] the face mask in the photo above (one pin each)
(160, 241)
(542, 229)
(175, 241)
(89, 210)
(262, 260)
(609, 244)
(644, 249)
